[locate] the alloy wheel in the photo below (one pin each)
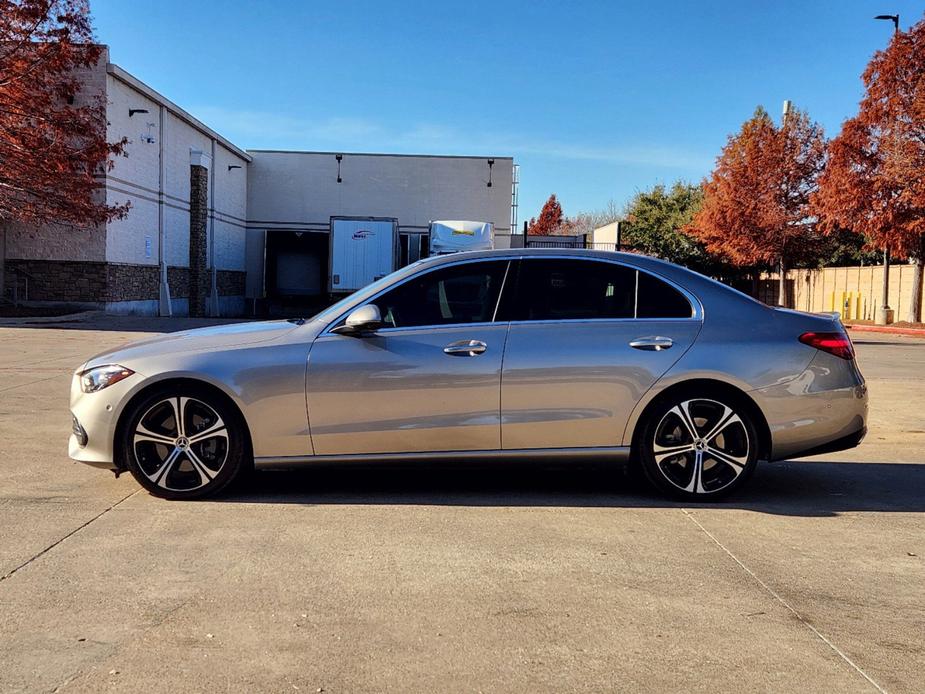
(180, 444)
(701, 446)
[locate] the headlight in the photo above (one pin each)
(100, 377)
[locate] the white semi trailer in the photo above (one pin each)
(363, 249)
(457, 235)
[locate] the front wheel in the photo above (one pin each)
(698, 448)
(184, 443)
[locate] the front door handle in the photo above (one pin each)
(465, 348)
(654, 344)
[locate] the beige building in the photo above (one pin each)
(606, 237)
(292, 197)
(209, 221)
(142, 264)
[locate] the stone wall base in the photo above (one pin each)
(120, 288)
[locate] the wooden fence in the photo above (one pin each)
(855, 292)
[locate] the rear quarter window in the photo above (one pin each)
(658, 299)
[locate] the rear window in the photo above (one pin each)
(556, 289)
(569, 289)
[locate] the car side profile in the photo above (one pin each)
(520, 353)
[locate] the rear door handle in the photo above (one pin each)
(465, 348)
(654, 343)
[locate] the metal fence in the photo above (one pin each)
(572, 242)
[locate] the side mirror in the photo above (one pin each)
(361, 320)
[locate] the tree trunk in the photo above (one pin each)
(3, 227)
(915, 306)
(782, 286)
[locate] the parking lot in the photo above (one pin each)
(473, 579)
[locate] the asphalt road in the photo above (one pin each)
(461, 579)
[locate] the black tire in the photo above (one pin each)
(200, 459)
(680, 460)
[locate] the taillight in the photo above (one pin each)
(838, 344)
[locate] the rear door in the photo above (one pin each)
(588, 338)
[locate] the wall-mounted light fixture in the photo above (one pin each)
(133, 111)
(491, 163)
(233, 166)
(339, 158)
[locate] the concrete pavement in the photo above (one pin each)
(463, 579)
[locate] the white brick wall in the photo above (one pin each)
(56, 242)
(230, 209)
(135, 178)
(278, 190)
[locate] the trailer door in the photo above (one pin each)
(362, 251)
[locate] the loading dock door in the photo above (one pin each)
(296, 263)
(298, 274)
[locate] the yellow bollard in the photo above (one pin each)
(832, 301)
(843, 305)
(857, 307)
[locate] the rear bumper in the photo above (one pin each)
(810, 423)
(840, 444)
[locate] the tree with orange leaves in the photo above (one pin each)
(874, 182)
(52, 137)
(756, 202)
(551, 219)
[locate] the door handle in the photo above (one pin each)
(654, 344)
(465, 348)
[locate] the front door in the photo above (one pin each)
(427, 381)
(588, 338)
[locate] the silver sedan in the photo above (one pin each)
(534, 354)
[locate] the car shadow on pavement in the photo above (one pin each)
(791, 488)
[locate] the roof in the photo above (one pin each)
(379, 154)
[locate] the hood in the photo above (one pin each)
(201, 339)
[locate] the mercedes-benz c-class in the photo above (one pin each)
(497, 355)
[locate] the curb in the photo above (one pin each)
(910, 332)
(79, 317)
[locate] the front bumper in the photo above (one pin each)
(96, 415)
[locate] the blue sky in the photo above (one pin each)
(594, 100)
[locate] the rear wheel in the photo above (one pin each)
(699, 448)
(184, 443)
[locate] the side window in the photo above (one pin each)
(658, 299)
(557, 289)
(466, 293)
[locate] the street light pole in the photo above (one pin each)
(782, 297)
(885, 316)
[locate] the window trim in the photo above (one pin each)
(696, 306)
(519, 259)
(434, 326)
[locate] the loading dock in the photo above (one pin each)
(293, 192)
(296, 269)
